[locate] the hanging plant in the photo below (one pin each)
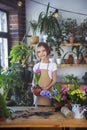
(19, 53)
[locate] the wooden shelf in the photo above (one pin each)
(63, 65)
(73, 44)
(75, 65)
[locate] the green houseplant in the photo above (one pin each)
(78, 51)
(69, 78)
(10, 79)
(4, 112)
(14, 85)
(59, 51)
(48, 24)
(82, 31)
(34, 27)
(84, 77)
(20, 52)
(70, 28)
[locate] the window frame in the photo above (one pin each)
(5, 34)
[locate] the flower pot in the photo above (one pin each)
(37, 90)
(85, 59)
(34, 39)
(78, 61)
(71, 39)
(58, 60)
(70, 59)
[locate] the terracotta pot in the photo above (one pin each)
(65, 61)
(71, 39)
(70, 59)
(85, 59)
(37, 90)
(34, 39)
(78, 61)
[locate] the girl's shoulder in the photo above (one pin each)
(53, 65)
(36, 66)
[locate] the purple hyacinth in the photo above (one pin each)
(48, 94)
(43, 93)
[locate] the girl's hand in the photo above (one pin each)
(32, 88)
(46, 88)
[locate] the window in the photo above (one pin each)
(3, 40)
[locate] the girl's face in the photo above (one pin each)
(41, 53)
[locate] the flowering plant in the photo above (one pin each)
(58, 92)
(75, 93)
(71, 91)
(37, 76)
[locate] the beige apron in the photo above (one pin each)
(44, 81)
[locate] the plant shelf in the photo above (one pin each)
(73, 44)
(67, 65)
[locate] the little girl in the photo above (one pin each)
(48, 73)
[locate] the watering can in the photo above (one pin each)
(78, 112)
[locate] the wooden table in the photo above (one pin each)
(56, 120)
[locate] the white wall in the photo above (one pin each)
(33, 9)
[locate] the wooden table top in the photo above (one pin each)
(56, 119)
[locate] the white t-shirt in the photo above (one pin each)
(51, 68)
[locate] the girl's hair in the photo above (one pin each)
(45, 45)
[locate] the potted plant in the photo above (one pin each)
(59, 51)
(20, 52)
(34, 26)
(15, 90)
(78, 51)
(85, 57)
(82, 30)
(10, 79)
(84, 77)
(70, 28)
(69, 78)
(4, 112)
(48, 24)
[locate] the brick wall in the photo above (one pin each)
(16, 20)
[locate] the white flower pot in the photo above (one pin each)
(58, 60)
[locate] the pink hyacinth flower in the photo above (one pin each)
(38, 71)
(64, 89)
